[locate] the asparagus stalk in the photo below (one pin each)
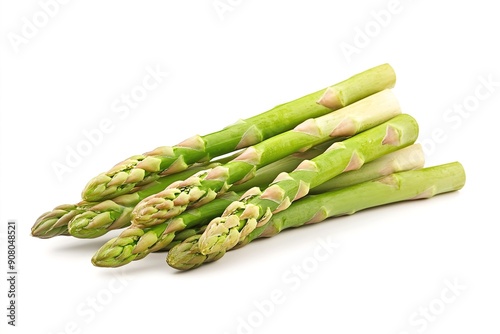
(55, 222)
(135, 243)
(411, 157)
(349, 91)
(204, 187)
(91, 219)
(187, 255)
(255, 208)
(164, 160)
(402, 186)
(408, 185)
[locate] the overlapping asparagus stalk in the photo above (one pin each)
(204, 187)
(142, 169)
(408, 158)
(92, 219)
(397, 187)
(135, 243)
(256, 207)
(178, 202)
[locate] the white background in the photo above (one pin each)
(391, 264)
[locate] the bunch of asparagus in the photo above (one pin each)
(333, 152)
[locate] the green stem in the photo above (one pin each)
(135, 243)
(402, 186)
(255, 207)
(204, 187)
(145, 168)
(408, 185)
(92, 219)
(411, 157)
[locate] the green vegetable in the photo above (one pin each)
(92, 219)
(142, 169)
(255, 208)
(204, 187)
(135, 243)
(402, 186)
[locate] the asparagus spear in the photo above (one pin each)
(145, 168)
(204, 187)
(92, 219)
(135, 243)
(123, 255)
(255, 208)
(349, 91)
(402, 186)
(411, 157)
(409, 185)
(55, 222)
(187, 255)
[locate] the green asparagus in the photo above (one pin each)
(401, 186)
(330, 153)
(135, 243)
(91, 219)
(145, 168)
(255, 208)
(204, 187)
(410, 157)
